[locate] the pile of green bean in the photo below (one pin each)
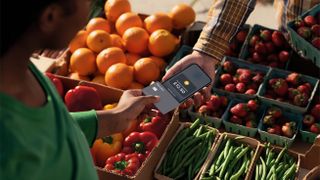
(188, 151)
(272, 165)
(231, 161)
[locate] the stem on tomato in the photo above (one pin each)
(120, 165)
(146, 120)
(139, 147)
(107, 139)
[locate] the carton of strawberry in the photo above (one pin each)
(211, 111)
(289, 89)
(267, 47)
(311, 123)
(279, 126)
(243, 117)
(239, 77)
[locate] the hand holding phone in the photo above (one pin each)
(178, 88)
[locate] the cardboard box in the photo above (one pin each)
(181, 127)
(254, 144)
(111, 95)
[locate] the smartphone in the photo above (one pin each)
(178, 88)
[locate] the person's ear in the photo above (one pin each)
(51, 18)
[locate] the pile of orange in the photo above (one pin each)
(123, 50)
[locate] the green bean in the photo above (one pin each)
(179, 138)
(280, 155)
(274, 174)
(290, 172)
(226, 149)
(236, 159)
(190, 172)
(195, 125)
(257, 173)
(211, 170)
(264, 169)
(226, 162)
(240, 172)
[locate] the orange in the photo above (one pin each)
(98, 23)
(126, 21)
(83, 62)
(114, 8)
(182, 16)
(136, 40)
(119, 76)
(98, 40)
(99, 79)
(79, 41)
(159, 61)
(146, 71)
(135, 85)
(76, 76)
(132, 58)
(108, 57)
(158, 21)
(116, 41)
(162, 43)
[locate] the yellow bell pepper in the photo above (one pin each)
(105, 147)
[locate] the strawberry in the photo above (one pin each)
(214, 103)
(316, 42)
(265, 35)
(228, 67)
(253, 105)
(236, 79)
(204, 110)
(251, 92)
(274, 112)
(241, 36)
(315, 128)
(308, 85)
(288, 129)
(258, 78)
(261, 48)
(278, 38)
(298, 23)
(294, 78)
(308, 120)
(240, 110)
(303, 89)
(283, 56)
(230, 87)
(243, 70)
(275, 129)
(245, 77)
(269, 120)
(316, 30)
(241, 87)
(304, 32)
(253, 86)
(280, 87)
(301, 99)
(236, 120)
(256, 57)
(225, 79)
(270, 47)
(315, 111)
(224, 101)
(309, 20)
(254, 40)
(251, 124)
(292, 92)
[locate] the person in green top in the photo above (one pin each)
(39, 138)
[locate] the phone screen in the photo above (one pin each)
(178, 88)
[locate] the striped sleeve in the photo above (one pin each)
(224, 20)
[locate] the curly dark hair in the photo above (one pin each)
(18, 16)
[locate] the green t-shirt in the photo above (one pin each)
(45, 142)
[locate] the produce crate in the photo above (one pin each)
(182, 52)
(307, 136)
(277, 73)
(277, 139)
(244, 54)
(303, 47)
(277, 149)
(253, 143)
(158, 175)
(215, 121)
(240, 129)
(242, 64)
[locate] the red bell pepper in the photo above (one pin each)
(56, 82)
(82, 98)
(124, 164)
(140, 143)
(155, 124)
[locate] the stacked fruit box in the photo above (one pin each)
(304, 34)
